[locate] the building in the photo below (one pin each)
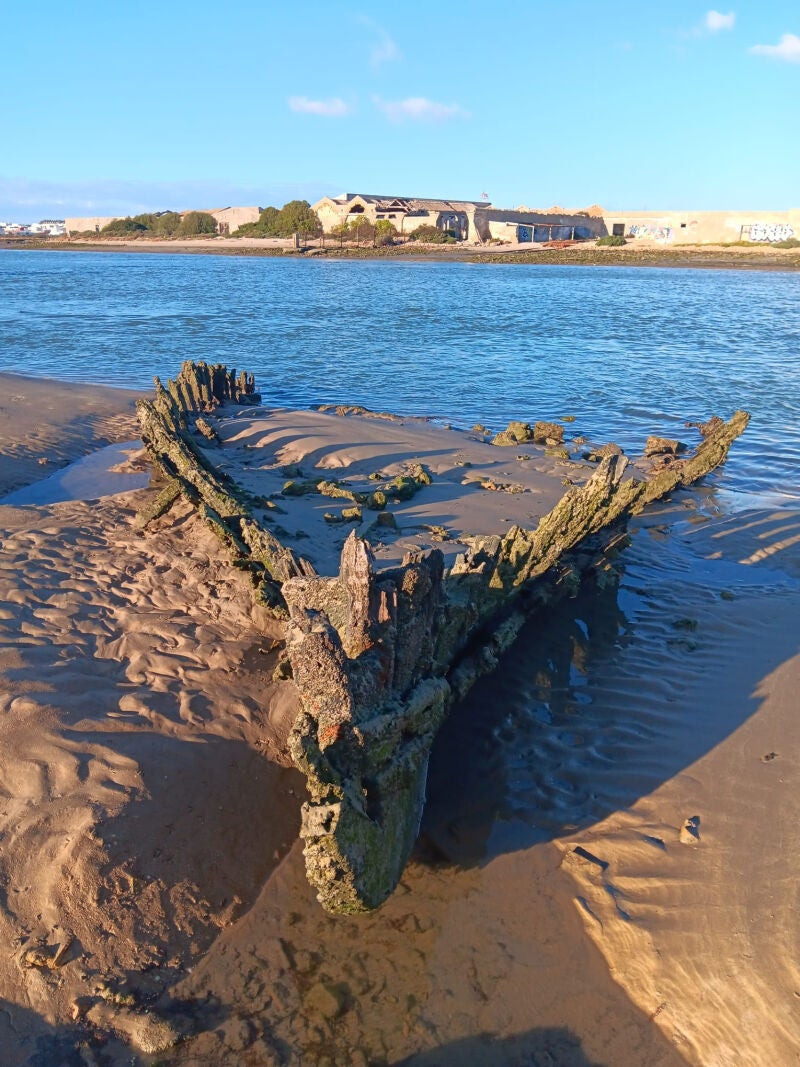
(525, 226)
(229, 219)
(404, 212)
(88, 223)
(476, 221)
(704, 227)
(50, 227)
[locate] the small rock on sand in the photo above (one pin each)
(146, 1032)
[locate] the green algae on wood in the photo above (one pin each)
(379, 657)
(221, 504)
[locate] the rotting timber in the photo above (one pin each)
(379, 656)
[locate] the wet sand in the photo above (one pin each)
(557, 908)
(45, 425)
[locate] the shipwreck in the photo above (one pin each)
(380, 653)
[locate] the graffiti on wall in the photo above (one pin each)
(768, 231)
(653, 233)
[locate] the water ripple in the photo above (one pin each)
(625, 351)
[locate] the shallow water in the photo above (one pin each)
(588, 714)
(626, 351)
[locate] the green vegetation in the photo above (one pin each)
(385, 232)
(362, 231)
(162, 224)
(612, 241)
(431, 235)
(294, 217)
(197, 222)
(124, 227)
(790, 242)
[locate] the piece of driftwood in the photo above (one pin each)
(378, 657)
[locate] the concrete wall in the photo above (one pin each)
(229, 219)
(95, 223)
(329, 213)
(706, 227)
(497, 224)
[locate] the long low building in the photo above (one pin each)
(467, 220)
(480, 222)
(704, 227)
(229, 219)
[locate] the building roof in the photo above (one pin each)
(413, 202)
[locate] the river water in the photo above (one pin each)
(626, 351)
(475, 955)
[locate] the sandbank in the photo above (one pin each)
(149, 817)
(639, 253)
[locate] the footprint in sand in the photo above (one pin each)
(690, 831)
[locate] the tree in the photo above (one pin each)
(297, 217)
(431, 235)
(362, 229)
(294, 217)
(385, 232)
(166, 223)
(123, 227)
(267, 220)
(197, 222)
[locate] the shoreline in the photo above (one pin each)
(47, 423)
(708, 257)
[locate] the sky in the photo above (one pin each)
(111, 108)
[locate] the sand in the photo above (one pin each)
(45, 425)
(639, 909)
(640, 252)
(477, 488)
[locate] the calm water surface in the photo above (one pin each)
(626, 351)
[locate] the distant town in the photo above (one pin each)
(43, 228)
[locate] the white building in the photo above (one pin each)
(53, 227)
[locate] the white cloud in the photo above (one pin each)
(716, 21)
(384, 48)
(419, 109)
(788, 50)
(334, 107)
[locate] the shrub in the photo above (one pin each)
(361, 229)
(385, 232)
(123, 227)
(166, 223)
(613, 241)
(431, 235)
(197, 222)
(790, 242)
(294, 217)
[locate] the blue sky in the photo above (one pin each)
(111, 108)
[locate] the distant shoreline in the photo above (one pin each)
(719, 257)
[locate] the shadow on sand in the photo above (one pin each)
(585, 713)
(541, 1047)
